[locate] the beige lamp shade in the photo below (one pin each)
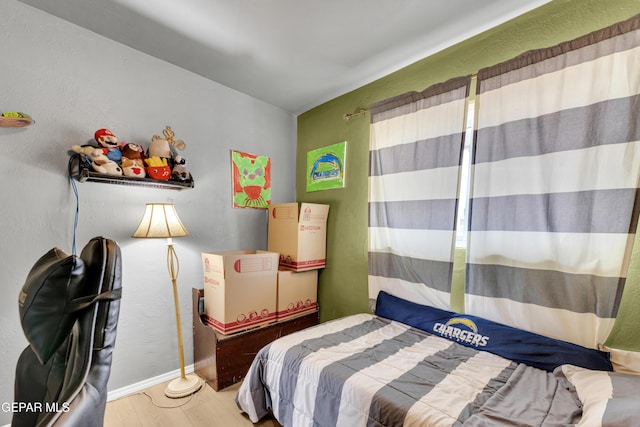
(160, 220)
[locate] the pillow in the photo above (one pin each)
(609, 399)
(45, 301)
(506, 341)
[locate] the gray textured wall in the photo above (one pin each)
(74, 82)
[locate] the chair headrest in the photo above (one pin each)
(45, 302)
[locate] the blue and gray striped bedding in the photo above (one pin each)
(364, 370)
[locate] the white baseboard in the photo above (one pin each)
(149, 382)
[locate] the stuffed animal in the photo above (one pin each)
(107, 166)
(98, 160)
(159, 147)
(157, 168)
(109, 144)
(169, 134)
(180, 172)
(133, 168)
(131, 150)
(132, 160)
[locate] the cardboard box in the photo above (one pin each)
(297, 293)
(299, 233)
(223, 360)
(240, 289)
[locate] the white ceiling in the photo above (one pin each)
(295, 54)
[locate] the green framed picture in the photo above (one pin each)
(251, 180)
(326, 167)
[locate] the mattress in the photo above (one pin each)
(367, 370)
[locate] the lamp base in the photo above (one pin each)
(181, 387)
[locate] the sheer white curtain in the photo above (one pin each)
(554, 200)
(414, 171)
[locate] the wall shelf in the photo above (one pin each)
(82, 173)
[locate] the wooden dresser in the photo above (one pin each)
(222, 360)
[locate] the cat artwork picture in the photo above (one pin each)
(251, 180)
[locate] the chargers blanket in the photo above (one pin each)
(365, 370)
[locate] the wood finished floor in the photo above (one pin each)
(205, 408)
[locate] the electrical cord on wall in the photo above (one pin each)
(75, 192)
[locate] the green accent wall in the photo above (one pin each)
(342, 286)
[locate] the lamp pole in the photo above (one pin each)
(173, 264)
(161, 220)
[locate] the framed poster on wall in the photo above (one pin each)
(326, 167)
(251, 180)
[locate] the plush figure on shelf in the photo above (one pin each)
(132, 160)
(106, 166)
(158, 168)
(98, 160)
(159, 147)
(180, 172)
(109, 144)
(169, 135)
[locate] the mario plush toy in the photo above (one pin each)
(109, 144)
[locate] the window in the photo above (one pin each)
(463, 197)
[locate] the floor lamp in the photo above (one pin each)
(161, 221)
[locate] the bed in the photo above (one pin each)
(415, 365)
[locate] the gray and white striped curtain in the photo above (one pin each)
(554, 201)
(415, 153)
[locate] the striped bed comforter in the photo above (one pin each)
(364, 370)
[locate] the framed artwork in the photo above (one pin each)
(251, 180)
(326, 167)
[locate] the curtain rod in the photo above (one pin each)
(349, 116)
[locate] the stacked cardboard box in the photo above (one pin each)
(298, 232)
(246, 289)
(297, 293)
(240, 289)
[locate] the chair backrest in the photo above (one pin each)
(70, 387)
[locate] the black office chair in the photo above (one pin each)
(69, 310)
